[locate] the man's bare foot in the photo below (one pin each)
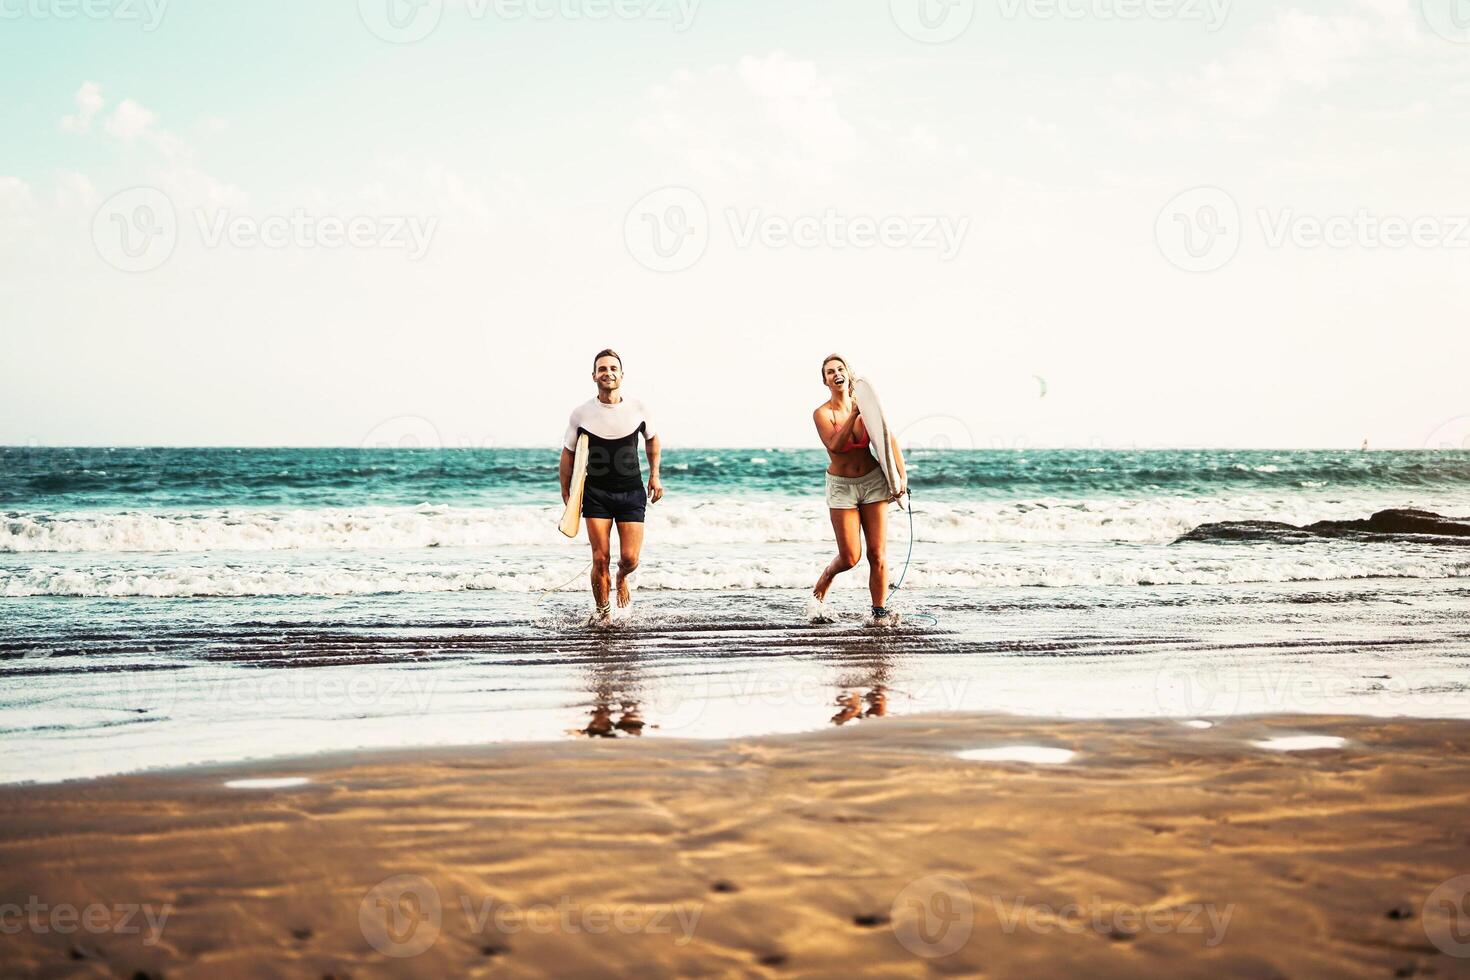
(625, 597)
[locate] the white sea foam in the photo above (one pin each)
(668, 571)
(676, 522)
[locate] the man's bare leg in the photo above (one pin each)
(630, 544)
(599, 532)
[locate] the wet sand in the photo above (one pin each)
(870, 848)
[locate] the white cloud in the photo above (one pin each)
(129, 121)
(15, 195)
(1048, 132)
(89, 102)
(17, 205)
(1300, 50)
(767, 116)
(74, 191)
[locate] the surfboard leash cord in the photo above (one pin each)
(906, 561)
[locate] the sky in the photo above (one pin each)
(1104, 223)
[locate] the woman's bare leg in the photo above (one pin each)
(875, 529)
(849, 539)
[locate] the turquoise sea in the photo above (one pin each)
(175, 606)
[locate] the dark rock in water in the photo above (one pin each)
(1387, 525)
(1245, 531)
(1397, 522)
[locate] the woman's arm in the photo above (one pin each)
(834, 437)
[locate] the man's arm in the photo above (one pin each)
(567, 458)
(655, 485)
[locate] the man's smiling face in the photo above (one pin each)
(608, 373)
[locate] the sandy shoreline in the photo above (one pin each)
(872, 848)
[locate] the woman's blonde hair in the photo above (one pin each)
(835, 357)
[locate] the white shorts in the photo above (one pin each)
(850, 492)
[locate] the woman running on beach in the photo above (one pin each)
(857, 494)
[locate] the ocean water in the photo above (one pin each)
(172, 606)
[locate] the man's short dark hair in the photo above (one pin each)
(609, 352)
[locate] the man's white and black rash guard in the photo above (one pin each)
(612, 442)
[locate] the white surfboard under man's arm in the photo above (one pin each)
(571, 519)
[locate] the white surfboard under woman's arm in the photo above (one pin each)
(879, 443)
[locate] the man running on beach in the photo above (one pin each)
(614, 489)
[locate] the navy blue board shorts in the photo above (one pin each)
(616, 505)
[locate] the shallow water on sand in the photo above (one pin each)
(168, 607)
(92, 686)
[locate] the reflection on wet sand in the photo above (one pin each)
(612, 687)
(851, 705)
(851, 698)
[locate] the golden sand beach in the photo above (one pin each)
(873, 849)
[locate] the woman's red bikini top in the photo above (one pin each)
(856, 444)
